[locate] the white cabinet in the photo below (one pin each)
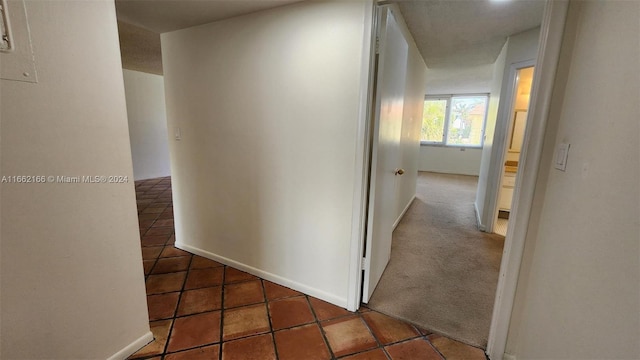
(506, 191)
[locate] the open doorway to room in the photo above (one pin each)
(443, 271)
(513, 146)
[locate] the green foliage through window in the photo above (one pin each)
(454, 120)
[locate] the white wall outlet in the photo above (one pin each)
(562, 152)
(177, 133)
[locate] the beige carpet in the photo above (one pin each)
(443, 272)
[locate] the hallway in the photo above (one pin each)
(201, 309)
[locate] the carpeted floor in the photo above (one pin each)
(443, 272)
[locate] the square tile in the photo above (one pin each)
(452, 349)
(195, 330)
(204, 278)
(199, 262)
(245, 321)
(377, 354)
(254, 348)
(159, 231)
(275, 291)
(162, 306)
(348, 335)
(171, 251)
(148, 265)
(304, 342)
(164, 222)
(160, 330)
(156, 240)
(151, 210)
(163, 283)
(413, 349)
(200, 300)
(326, 311)
(172, 264)
(151, 252)
(290, 312)
(244, 293)
(387, 329)
(234, 275)
(204, 353)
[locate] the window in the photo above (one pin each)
(454, 120)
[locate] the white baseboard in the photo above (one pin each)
(481, 226)
(133, 347)
(508, 357)
(403, 212)
(323, 295)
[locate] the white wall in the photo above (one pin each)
(520, 47)
(578, 291)
(268, 105)
(450, 160)
(71, 270)
(147, 124)
(444, 81)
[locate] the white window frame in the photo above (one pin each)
(448, 98)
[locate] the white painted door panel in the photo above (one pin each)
(392, 72)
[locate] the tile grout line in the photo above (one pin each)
(271, 331)
(322, 332)
(221, 325)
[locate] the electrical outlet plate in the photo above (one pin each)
(17, 61)
(562, 152)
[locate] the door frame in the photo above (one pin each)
(549, 45)
(502, 149)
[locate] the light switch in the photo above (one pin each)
(561, 156)
(177, 133)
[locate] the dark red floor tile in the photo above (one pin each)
(151, 252)
(275, 291)
(195, 330)
(326, 311)
(163, 283)
(387, 329)
(171, 251)
(376, 354)
(290, 312)
(160, 330)
(162, 306)
(245, 321)
(156, 240)
(200, 300)
(244, 293)
(199, 262)
(163, 223)
(171, 264)
(233, 275)
(204, 278)
(148, 265)
(304, 342)
(211, 352)
(413, 349)
(253, 348)
(159, 231)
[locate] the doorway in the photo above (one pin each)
(513, 146)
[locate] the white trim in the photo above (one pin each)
(133, 347)
(481, 226)
(361, 178)
(323, 295)
(395, 224)
(551, 34)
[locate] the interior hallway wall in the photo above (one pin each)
(71, 276)
(147, 124)
(268, 106)
(579, 284)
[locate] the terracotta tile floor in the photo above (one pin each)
(201, 309)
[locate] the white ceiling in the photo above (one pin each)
(449, 33)
(464, 33)
(168, 15)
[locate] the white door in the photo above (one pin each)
(391, 78)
